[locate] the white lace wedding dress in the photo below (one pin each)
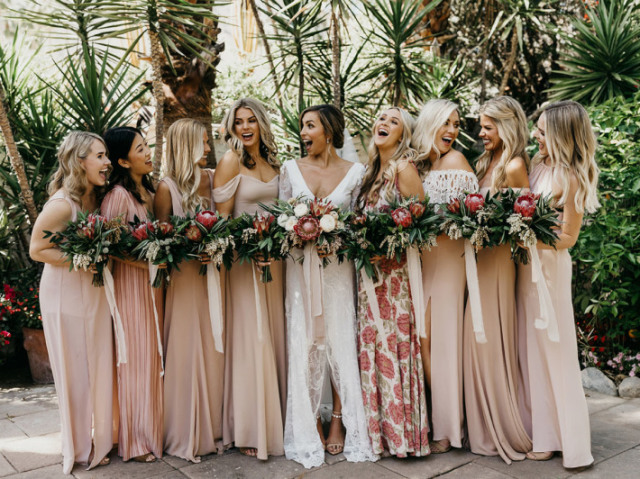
(312, 362)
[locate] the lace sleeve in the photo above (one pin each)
(284, 184)
(442, 186)
(356, 189)
(463, 182)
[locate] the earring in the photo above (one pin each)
(328, 141)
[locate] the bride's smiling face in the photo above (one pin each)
(313, 135)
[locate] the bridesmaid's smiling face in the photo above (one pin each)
(313, 134)
(539, 135)
(489, 134)
(246, 127)
(138, 160)
(96, 165)
(448, 133)
(388, 128)
(202, 162)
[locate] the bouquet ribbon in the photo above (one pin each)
(372, 299)
(258, 300)
(121, 345)
(153, 270)
(312, 276)
(547, 319)
(414, 269)
(474, 292)
(215, 305)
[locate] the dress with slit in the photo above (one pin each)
(140, 378)
(194, 370)
(554, 405)
(255, 367)
(490, 370)
(315, 359)
(444, 281)
(79, 335)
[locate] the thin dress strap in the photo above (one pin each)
(61, 195)
(176, 197)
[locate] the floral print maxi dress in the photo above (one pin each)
(391, 369)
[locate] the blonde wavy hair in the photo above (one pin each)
(184, 150)
(268, 147)
(511, 122)
(433, 115)
(374, 187)
(70, 175)
(571, 147)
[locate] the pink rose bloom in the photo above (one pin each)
(207, 219)
(474, 202)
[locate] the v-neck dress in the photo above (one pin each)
(312, 364)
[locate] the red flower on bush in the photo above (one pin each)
(141, 232)
(307, 228)
(401, 217)
(193, 233)
(525, 205)
(207, 218)
(474, 202)
(454, 206)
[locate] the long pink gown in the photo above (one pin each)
(491, 369)
(391, 371)
(255, 368)
(194, 370)
(444, 282)
(556, 408)
(139, 379)
(79, 335)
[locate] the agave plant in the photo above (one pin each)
(603, 58)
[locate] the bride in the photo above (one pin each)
(324, 175)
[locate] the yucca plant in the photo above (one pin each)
(399, 66)
(602, 60)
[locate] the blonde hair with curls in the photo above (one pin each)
(571, 146)
(433, 115)
(511, 122)
(374, 187)
(184, 150)
(70, 175)
(268, 147)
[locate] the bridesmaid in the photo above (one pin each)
(447, 175)
(328, 355)
(194, 370)
(564, 168)
(130, 194)
(391, 368)
(75, 314)
(490, 369)
(255, 367)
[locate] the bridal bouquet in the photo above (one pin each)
(476, 218)
(527, 218)
(89, 241)
(209, 237)
(316, 222)
(388, 232)
(161, 243)
(258, 238)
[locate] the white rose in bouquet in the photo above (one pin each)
(301, 209)
(282, 220)
(327, 223)
(291, 222)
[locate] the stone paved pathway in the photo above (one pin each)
(30, 448)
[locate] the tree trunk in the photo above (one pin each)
(511, 61)
(157, 56)
(267, 50)
(435, 23)
(16, 161)
(335, 61)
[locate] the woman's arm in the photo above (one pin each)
(572, 221)
(409, 182)
(54, 217)
(162, 206)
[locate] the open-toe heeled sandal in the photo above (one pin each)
(337, 448)
(439, 447)
(146, 458)
(248, 451)
(539, 456)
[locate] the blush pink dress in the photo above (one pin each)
(255, 367)
(140, 378)
(77, 328)
(194, 370)
(555, 406)
(490, 370)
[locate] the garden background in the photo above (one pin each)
(91, 65)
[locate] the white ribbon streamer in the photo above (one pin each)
(474, 292)
(121, 345)
(370, 290)
(547, 319)
(215, 305)
(414, 269)
(256, 294)
(153, 270)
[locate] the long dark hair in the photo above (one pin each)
(119, 141)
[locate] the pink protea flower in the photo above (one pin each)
(454, 206)
(319, 208)
(165, 228)
(193, 233)
(417, 209)
(525, 205)
(207, 219)
(401, 217)
(307, 228)
(141, 232)
(474, 202)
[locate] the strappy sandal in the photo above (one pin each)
(146, 458)
(539, 456)
(335, 449)
(440, 447)
(248, 451)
